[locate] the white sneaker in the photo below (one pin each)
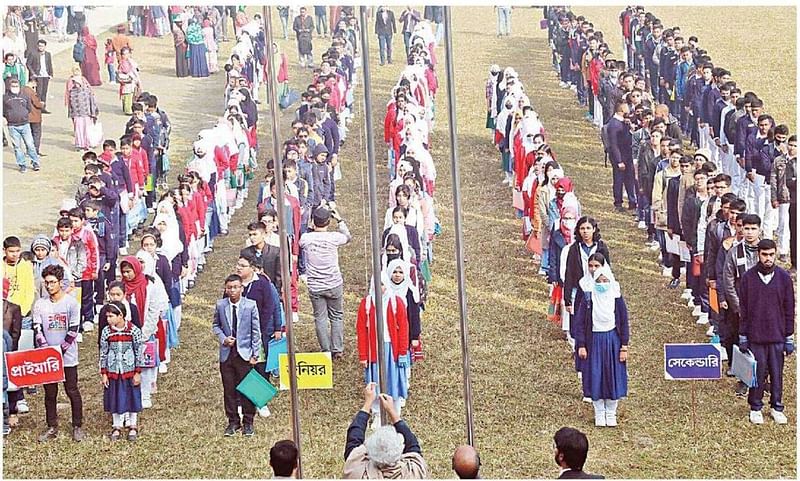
(697, 311)
(686, 294)
(88, 326)
(600, 419)
(162, 368)
(574, 88)
(295, 317)
(666, 272)
(654, 246)
(690, 302)
(702, 319)
(756, 417)
(611, 419)
(79, 338)
(710, 332)
(147, 404)
(642, 225)
(778, 417)
(22, 407)
(264, 412)
(563, 85)
(586, 399)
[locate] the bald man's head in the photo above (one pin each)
(466, 462)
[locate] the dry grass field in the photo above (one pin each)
(523, 382)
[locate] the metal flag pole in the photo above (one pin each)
(285, 259)
(372, 183)
(462, 287)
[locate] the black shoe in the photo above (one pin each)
(248, 430)
(36, 168)
(741, 389)
(619, 208)
(22, 169)
(231, 429)
(674, 283)
(45, 111)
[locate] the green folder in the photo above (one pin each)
(257, 389)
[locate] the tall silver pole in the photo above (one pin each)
(372, 182)
(281, 209)
(462, 286)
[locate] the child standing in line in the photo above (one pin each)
(121, 362)
(111, 61)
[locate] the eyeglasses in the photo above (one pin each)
(51, 283)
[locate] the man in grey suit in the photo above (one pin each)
(237, 327)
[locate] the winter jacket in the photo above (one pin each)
(16, 109)
(779, 191)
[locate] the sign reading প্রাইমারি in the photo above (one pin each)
(35, 366)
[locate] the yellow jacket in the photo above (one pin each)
(21, 288)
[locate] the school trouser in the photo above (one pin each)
(233, 370)
(793, 232)
(565, 77)
(581, 86)
(73, 393)
(769, 360)
(728, 331)
(327, 307)
(87, 301)
(590, 97)
(99, 287)
(623, 178)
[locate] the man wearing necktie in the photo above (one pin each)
(237, 327)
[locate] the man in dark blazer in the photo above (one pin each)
(385, 27)
(40, 67)
(621, 155)
(237, 327)
(571, 447)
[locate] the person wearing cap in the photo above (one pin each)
(324, 278)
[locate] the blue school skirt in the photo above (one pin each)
(396, 376)
(121, 396)
(604, 377)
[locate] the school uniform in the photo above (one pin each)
(766, 323)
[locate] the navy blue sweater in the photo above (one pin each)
(619, 142)
(766, 310)
(259, 291)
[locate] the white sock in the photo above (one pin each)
(132, 419)
(611, 406)
(116, 420)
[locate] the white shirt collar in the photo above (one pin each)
(766, 278)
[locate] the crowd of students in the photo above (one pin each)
(82, 278)
(712, 214)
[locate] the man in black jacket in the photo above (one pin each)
(621, 156)
(40, 67)
(385, 27)
(571, 447)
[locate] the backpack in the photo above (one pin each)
(79, 51)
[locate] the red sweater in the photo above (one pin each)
(396, 321)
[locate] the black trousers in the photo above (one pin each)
(42, 84)
(87, 302)
(36, 132)
(74, 395)
(233, 370)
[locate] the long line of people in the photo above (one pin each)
(585, 299)
(82, 278)
(705, 212)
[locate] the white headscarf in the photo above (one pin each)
(148, 262)
(399, 290)
(171, 244)
(603, 304)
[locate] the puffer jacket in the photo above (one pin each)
(779, 191)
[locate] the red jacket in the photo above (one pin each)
(396, 321)
(89, 239)
(138, 170)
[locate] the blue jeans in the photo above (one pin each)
(321, 20)
(406, 40)
(22, 134)
(285, 27)
(503, 21)
(385, 46)
(112, 73)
